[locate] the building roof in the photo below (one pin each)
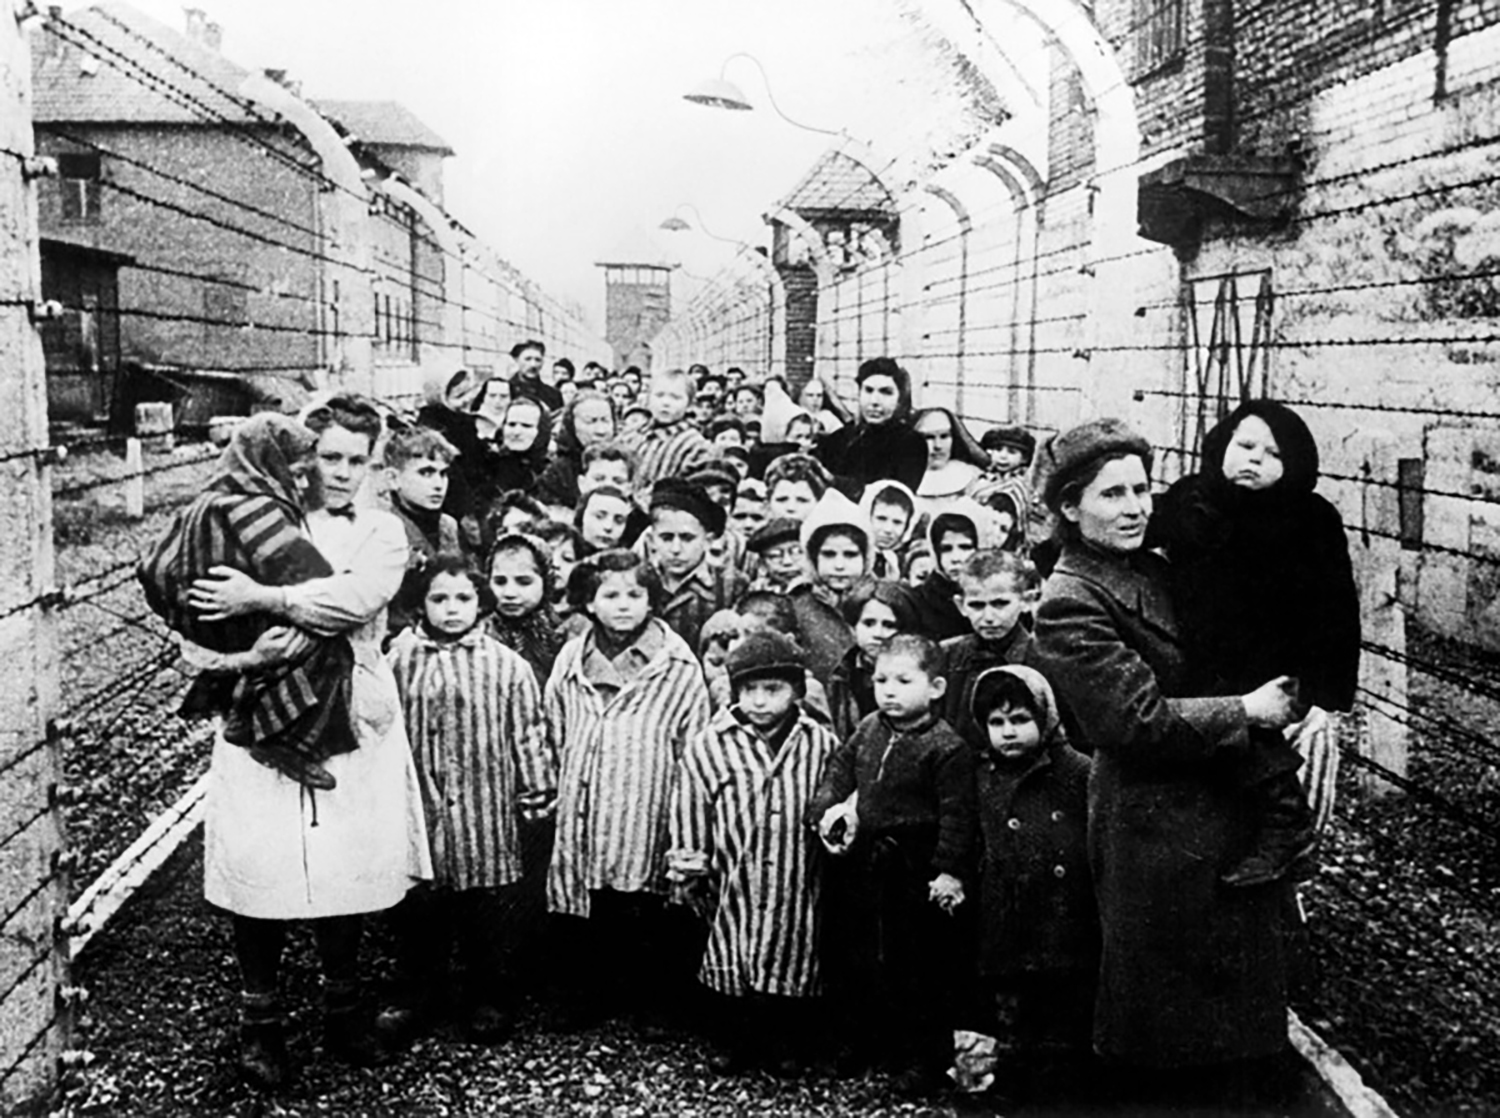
(840, 183)
(113, 64)
(386, 123)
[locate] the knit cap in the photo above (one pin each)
(689, 497)
(781, 530)
(766, 654)
(1070, 454)
(715, 472)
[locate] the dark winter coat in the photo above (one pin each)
(963, 659)
(938, 615)
(1261, 581)
(1036, 895)
(916, 785)
(1191, 972)
(851, 693)
(824, 634)
(861, 453)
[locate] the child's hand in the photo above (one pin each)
(836, 828)
(947, 891)
(536, 806)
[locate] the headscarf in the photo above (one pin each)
(534, 636)
(568, 443)
(983, 699)
(1299, 453)
(536, 454)
(966, 447)
(258, 460)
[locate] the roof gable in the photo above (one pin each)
(840, 183)
(384, 123)
(142, 72)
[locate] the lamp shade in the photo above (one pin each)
(719, 94)
(674, 224)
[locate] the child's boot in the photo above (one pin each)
(348, 1035)
(262, 1051)
(1286, 836)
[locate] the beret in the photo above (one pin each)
(691, 498)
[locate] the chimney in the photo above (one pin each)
(213, 36)
(197, 21)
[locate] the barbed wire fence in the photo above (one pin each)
(1385, 352)
(103, 776)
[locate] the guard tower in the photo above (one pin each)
(637, 304)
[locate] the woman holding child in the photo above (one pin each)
(1192, 986)
(276, 850)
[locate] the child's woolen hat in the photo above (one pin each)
(1070, 454)
(766, 654)
(1017, 438)
(691, 498)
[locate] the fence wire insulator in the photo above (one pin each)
(65, 795)
(64, 861)
(44, 310)
(35, 167)
(76, 1058)
(68, 928)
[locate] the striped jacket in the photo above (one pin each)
(474, 716)
(672, 450)
(738, 814)
(618, 757)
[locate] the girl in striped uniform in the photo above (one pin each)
(474, 716)
(622, 701)
(741, 856)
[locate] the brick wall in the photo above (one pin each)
(158, 235)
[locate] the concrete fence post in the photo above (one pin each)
(33, 958)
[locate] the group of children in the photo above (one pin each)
(761, 764)
(775, 743)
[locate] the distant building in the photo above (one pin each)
(82, 345)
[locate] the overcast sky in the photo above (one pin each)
(567, 115)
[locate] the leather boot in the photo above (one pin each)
(262, 1049)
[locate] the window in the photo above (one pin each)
(1158, 34)
(78, 186)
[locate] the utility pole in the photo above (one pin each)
(33, 882)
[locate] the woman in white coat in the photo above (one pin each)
(274, 850)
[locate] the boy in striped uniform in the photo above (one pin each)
(741, 856)
(670, 446)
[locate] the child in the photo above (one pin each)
(719, 480)
(794, 484)
(565, 547)
(606, 464)
(896, 808)
(670, 446)
(417, 461)
(836, 548)
(748, 512)
(622, 701)
(760, 611)
(287, 717)
(876, 610)
(474, 716)
(513, 511)
(521, 581)
(1038, 923)
(955, 536)
(891, 508)
(725, 431)
(739, 849)
(1262, 584)
(603, 517)
(995, 590)
(802, 433)
(720, 633)
(683, 521)
(1010, 450)
(777, 545)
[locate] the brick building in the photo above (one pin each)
(1197, 201)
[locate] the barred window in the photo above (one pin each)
(78, 186)
(1158, 34)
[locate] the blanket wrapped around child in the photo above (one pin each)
(293, 715)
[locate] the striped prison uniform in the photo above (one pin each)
(667, 450)
(618, 756)
(474, 716)
(300, 708)
(738, 814)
